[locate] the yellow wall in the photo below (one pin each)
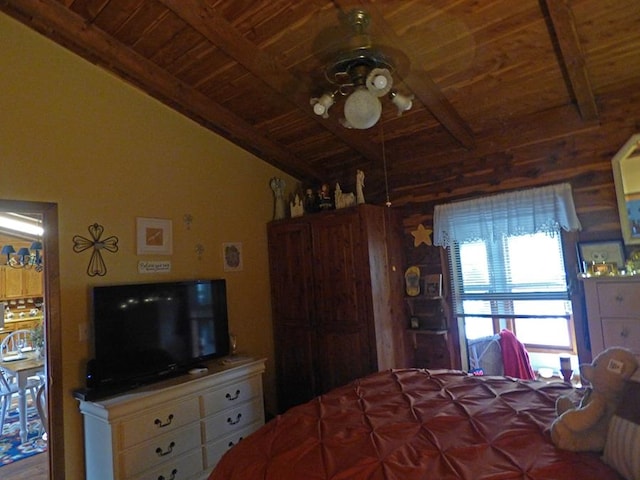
(72, 134)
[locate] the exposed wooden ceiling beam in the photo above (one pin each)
(263, 66)
(563, 30)
(92, 43)
(422, 86)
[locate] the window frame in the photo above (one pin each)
(503, 316)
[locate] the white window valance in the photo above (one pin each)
(545, 209)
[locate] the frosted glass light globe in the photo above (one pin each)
(380, 82)
(319, 109)
(362, 109)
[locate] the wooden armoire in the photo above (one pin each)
(337, 289)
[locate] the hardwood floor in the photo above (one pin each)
(32, 468)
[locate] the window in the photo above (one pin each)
(507, 265)
(516, 283)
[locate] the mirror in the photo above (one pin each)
(626, 176)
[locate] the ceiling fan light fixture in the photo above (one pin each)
(321, 105)
(363, 74)
(379, 81)
(402, 102)
(362, 109)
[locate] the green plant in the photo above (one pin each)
(37, 335)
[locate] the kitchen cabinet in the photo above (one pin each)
(33, 283)
(336, 286)
(20, 283)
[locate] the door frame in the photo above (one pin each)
(53, 327)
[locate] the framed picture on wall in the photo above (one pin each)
(611, 252)
(232, 257)
(154, 236)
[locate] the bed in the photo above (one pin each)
(416, 424)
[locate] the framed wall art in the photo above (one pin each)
(154, 236)
(433, 285)
(232, 257)
(610, 251)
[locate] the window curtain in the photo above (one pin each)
(546, 209)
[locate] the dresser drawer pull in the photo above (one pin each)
(233, 444)
(162, 453)
(231, 398)
(619, 298)
(174, 472)
(624, 333)
(159, 423)
(230, 421)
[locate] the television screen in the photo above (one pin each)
(143, 332)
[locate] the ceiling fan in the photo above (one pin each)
(363, 73)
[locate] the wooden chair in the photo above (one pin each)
(41, 405)
(7, 390)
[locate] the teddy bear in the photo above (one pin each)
(583, 427)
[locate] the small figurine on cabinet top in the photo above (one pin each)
(297, 210)
(343, 200)
(277, 185)
(310, 202)
(324, 198)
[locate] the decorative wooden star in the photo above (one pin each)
(422, 235)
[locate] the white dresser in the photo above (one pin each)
(613, 312)
(176, 429)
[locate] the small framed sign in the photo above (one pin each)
(154, 236)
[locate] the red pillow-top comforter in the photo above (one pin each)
(415, 424)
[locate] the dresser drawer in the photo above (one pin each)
(622, 333)
(182, 468)
(618, 299)
(233, 419)
(215, 450)
(232, 395)
(161, 449)
(159, 421)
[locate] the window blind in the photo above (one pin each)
(506, 256)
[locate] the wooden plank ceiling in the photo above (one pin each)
(479, 72)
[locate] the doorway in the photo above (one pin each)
(48, 212)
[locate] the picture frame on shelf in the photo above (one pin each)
(433, 285)
(601, 252)
(154, 236)
(602, 269)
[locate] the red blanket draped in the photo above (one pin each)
(515, 357)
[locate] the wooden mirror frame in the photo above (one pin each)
(630, 151)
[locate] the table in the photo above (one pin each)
(23, 369)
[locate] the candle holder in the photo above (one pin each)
(565, 368)
(566, 374)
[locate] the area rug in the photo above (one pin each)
(11, 449)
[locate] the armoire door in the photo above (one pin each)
(346, 346)
(291, 269)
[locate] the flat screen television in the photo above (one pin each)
(145, 332)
